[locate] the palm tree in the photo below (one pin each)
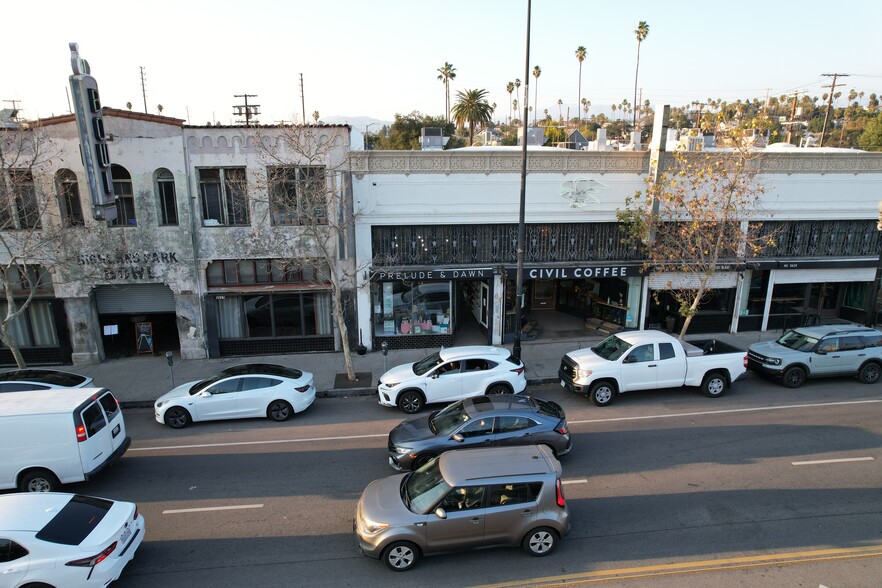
(642, 31)
(514, 104)
(509, 87)
(472, 107)
(586, 104)
(581, 54)
(517, 83)
(560, 108)
(537, 71)
(447, 72)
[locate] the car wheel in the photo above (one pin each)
(870, 373)
(540, 541)
(279, 410)
(177, 417)
(422, 460)
(38, 481)
(602, 393)
(401, 556)
(714, 385)
(793, 377)
(498, 389)
(410, 402)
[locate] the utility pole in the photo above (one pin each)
(247, 110)
(832, 87)
(302, 100)
(144, 88)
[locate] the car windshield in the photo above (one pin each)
(424, 365)
(198, 386)
(611, 348)
(797, 341)
(422, 489)
(446, 421)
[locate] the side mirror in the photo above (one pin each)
(457, 437)
(204, 394)
(628, 359)
(821, 352)
(440, 513)
(435, 375)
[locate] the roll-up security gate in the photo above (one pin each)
(686, 281)
(134, 299)
(816, 276)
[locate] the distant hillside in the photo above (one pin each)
(357, 122)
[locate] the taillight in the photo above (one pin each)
(560, 497)
(518, 371)
(745, 361)
(81, 433)
(88, 562)
(135, 518)
(302, 388)
(562, 427)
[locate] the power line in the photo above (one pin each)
(832, 87)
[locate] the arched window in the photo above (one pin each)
(165, 194)
(68, 191)
(125, 199)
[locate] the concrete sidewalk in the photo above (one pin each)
(139, 380)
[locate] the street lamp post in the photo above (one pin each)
(522, 231)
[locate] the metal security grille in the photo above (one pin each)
(134, 298)
(447, 244)
(821, 238)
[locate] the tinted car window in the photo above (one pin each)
(508, 424)
(477, 365)
(75, 520)
(255, 383)
(226, 386)
(477, 428)
(520, 493)
(665, 350)
(464, 498)
(642, 353)
(46, 376)
(21, 387)
(448, 368)
(109, 404)
(850, 343)
(93, 419)
(10, 550)
(872, 340)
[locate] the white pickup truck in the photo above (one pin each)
(649, 360)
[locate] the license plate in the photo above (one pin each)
(563, 384)
(127, 532)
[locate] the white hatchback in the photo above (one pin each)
(452, 374)
(69, 540)
(242, 391)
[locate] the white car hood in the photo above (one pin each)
(587, 358)
(181, 391)
(398, 374)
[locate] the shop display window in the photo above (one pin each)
(412, 308)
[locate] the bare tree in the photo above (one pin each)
(696, 216)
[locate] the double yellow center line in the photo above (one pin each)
(689, 567)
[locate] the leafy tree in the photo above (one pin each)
(871, 138)
(471, 107)
(404, 134)
(447, 73)
(691, 219)
(642, 31)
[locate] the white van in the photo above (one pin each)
(61, 436)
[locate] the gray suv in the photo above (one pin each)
(464, 499)
(811, 352)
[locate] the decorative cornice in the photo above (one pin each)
(569, 161)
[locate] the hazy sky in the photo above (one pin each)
(376, 58)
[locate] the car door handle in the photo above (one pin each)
(861, 354)
(651, 365)
(527, 512)
(476, 520)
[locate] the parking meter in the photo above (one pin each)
(170, 358)
(385, 347)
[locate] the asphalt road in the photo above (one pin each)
(764, 486)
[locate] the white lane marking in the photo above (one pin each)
(711, 412)
(210, 508)
(576, 481)
(238, 443)
(841, 460)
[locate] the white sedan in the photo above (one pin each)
(65, 540)
(243, 391)
(21, 380)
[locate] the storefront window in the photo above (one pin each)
(412, 308)
(35, 327)
(294, 314)
(855, 295)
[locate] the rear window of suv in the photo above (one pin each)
(75, 520)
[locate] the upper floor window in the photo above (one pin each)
(224, 198)
(167, 201)
(125, 197)
(298, 195)
(69, 203)
(20, 210)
